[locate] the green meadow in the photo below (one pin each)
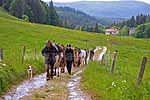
(122, 84)
(15, 33)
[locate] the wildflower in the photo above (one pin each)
(4, 64)
(113, 84)
(124, 81)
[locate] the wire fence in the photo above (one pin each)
(112, 59)
(25, 54)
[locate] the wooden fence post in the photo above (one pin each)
(102, 60)
(23, 53)
(141, 72)
(35, 54)
(1, 54)
(113, 62)
(106, 60)
(86, 44)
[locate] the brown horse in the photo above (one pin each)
(60, 60)
(76, 57)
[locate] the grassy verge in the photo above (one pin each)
(122, 84)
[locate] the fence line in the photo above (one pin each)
(113, 62)
(141, 72)
(23, 54)
(1, 54)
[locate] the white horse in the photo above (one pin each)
(82, 57)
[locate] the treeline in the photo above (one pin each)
(32, 10)
(77, 20)
(140, 24)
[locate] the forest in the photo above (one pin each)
(140, 23)
(35, 11)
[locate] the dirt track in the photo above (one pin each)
(57, 89)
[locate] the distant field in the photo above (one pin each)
(14, 34)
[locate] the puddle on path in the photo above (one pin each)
(26, 87)
(74, 88)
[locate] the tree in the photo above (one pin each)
(25, 17)
(96, 28)
(137, 20)
(142, 19)
(139, 34)
(124, 31)
(146, 33)
(148, 19)
(52, 17)
(1, 2)
(139, 31)
(17, 8)
(39, 11)
(28, 11)
(132, 22)
(7, 4)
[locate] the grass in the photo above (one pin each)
(122, 84)
(14, 34)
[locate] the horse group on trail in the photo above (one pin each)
(58, 56)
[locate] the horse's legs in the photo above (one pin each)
(47, 71)
(58, 71)
(79, 62)
(55, 71)
(62, 67)
(52, 67)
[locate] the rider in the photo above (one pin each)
(49, 53)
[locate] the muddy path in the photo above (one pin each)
(75, 92)
(65, 87)
(24, 88)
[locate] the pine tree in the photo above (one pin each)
(147, 32)
(148, 19)
(96, 28)
(7, 4)
(1, 2)
(53, 18)
(132, 22)
(28, 11)
(124, 31)
(17, 8)
(137, 20)
(38, 11)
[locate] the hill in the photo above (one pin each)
(113, 9)
(74, 16)
(77, 17)
(15, 34)
(5, 14)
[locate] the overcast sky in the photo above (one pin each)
(147, 1)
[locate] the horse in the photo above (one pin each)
(82, 57)
(91, 52)
(60, 62)
(76, 56)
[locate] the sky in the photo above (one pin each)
(147, 1)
